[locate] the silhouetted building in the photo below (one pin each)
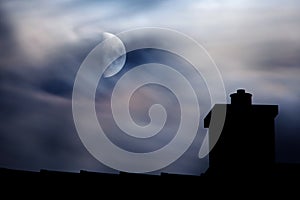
(246, 145)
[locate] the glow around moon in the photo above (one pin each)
(118, 50)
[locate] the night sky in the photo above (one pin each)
(255, 44)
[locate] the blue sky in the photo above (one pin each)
(254, 43)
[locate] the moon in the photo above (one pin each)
(118, 50)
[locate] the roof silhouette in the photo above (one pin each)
(247, 141)
(246, 146)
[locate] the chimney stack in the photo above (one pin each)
(241, 98)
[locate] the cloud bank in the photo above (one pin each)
(254, 43)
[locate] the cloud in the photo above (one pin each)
(38, 132)
(254, 43)
(42, 27)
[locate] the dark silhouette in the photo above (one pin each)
(246, 145)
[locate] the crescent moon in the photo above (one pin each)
(119, 49)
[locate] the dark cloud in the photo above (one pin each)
(140, 103)
(38, 120)
(42, 49)
(5, 29)
(288, 135)
(57, 87)
(276, 55)
(7, 41)
(37, 130)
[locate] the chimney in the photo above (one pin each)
(246, 145)
(241, 98)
